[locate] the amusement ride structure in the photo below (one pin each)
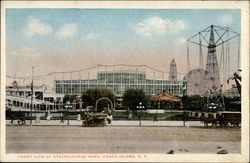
(211, 80)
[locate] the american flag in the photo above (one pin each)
(31, 87)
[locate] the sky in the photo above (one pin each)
(71, 39)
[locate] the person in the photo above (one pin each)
(78, 117)
(61, 116)
(109, 118)
(139, 117)
(38, 119)
(155, 118)
(12, 118)
(48, 116)
(23, 120)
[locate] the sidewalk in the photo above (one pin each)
(113, 123)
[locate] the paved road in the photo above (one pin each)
(120, 139)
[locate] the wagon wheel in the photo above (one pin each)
(84, 123)
(239, 125)
(91, 123)
(103, 124)
(20, 122)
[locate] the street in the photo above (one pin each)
(121, 139)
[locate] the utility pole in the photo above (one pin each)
(31, 97)
(35, 108)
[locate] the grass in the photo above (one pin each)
(124, 115)
(147, 116)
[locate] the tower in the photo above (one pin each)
(212, 74)
(173, 70)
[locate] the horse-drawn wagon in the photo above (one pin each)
(223, 119)
(95, 120)
(226, 119)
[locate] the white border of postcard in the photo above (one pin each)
(242, 5)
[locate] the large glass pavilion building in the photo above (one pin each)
(119, 81)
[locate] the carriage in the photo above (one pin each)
(226, 119)
(95, 120)
(19, 116)
(223, 119)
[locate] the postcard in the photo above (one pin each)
(125, 81)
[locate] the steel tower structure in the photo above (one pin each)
(173, 70)
(212, 77)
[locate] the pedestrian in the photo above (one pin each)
(12, 118)
(109, 118)
(23, 120)
(48, 116)
(61, 116)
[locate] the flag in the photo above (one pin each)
(31, 87)
(184, 86)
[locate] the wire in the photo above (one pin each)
(221, 58)
(238, 52)
(188, 61)
(200, 52)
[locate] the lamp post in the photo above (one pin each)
(75, 104)
(67, 106)
(54, 102)
(184, 115)
(140, 106)
(155, 115)
(159, 106)
(213, 107)
(19, 116)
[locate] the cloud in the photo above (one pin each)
(90, 37)
(37, 27)
(26, 51)
(180, 41)
(158, 26)
(67, 31)
(177, 26)
(225, 19)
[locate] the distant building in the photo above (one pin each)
(14, 84)
(118, 81)
(173, 70)
(196, 82)
(44, 97)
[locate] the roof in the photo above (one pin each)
(122, 71)
(165, 96)
(173, 62)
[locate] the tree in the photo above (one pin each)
(90, 97)
(194, 102)
(69, 98)
(232, 103)
(132, 98)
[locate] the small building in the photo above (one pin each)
(43, 98)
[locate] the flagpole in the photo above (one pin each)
(33, 92)
(31, 96)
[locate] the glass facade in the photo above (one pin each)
(119, 81)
